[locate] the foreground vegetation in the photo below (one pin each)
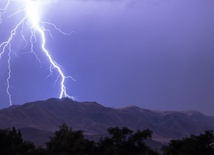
(121, 141)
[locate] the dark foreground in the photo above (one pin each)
(120, 141)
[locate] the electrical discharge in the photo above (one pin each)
(30, 10)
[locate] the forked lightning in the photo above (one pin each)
(30, 10)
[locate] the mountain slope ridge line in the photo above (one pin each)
(94, 119)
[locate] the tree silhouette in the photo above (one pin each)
(193, 145)
(11, 143)
(124, 142)
(69, 142)
(121, 141)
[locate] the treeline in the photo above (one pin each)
(121, 141)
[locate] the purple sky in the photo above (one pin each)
(156, 54)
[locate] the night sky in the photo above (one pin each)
(155, 54)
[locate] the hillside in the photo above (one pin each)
(38, 120)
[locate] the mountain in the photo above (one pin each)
(38, 120)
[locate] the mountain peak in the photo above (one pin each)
(94, 119)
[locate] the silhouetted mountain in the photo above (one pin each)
(38, 120)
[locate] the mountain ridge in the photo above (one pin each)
(44, 117)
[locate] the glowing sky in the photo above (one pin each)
(156, 54)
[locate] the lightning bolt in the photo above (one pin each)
(31, 19)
